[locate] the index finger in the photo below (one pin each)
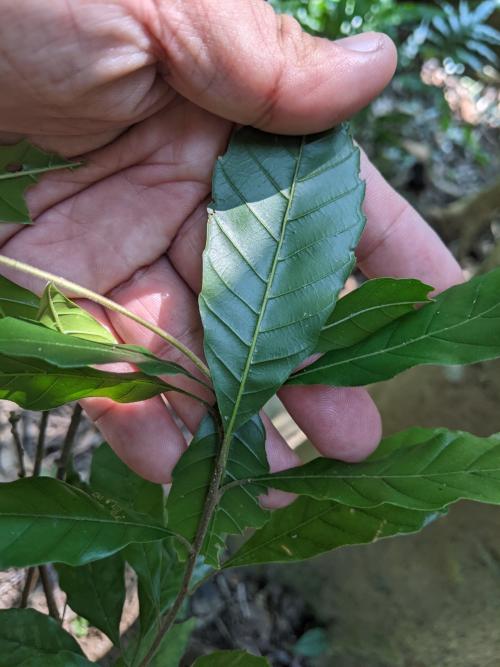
(397, 241)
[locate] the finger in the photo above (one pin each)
(342, 423)
(144, 435)
(244, 62)
(160, 295)
(397, 241)
(100, 234)
(157, 294)
(280, 457)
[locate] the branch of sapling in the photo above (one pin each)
(68, 442)
(211, 503)
(40, 447)
(14, 421)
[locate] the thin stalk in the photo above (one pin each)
(14, 421)
(85, 293)
(29, 582)
(48, 589)
(69, 439)
(40, 445)
(209, 508)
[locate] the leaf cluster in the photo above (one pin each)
(284, 223)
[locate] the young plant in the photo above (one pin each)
(283, 226)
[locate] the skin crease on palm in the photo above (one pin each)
(148, 92)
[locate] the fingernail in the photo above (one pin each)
(366, 42)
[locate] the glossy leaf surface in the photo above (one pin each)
(21, 165)
(369, 308)
(19, 338)
(239, 507)
(15, 301)
(310, 527)
(43, 520)
(36, 640)
(159, 575)
(155, 563)
(61, 314)
(96, 591)
(112, 478)
(283, 226)
(35, 385)
(461, 326)
(424, 469)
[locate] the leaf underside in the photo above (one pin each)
(59, 313)
(283, 226)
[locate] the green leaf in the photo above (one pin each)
(239, 508)
(35, 385)
(43, 520)
(424, 469)
(309, 527)
(174, 644)
(15, 301)
(312, 643)
(370, 308)
(21, 166)
(461, 326)
(159, 574)
(19, 338)
(155, 563)
(112, 478)
(59, 313)
(283, 226)
(97, 592)
(29, 638)
(231, 659)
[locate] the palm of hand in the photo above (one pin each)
(131, 223)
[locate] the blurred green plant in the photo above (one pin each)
(460, 38)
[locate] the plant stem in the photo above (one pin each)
(62, 464)
(40, 445)
(85, 293)
(28, 585)
(14, 420)
(48, 589)
(209, 508)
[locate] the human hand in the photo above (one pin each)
(148, 93)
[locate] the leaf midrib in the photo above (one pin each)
(265, 300)
(37, 170)
(326, 477)
(310, 519)
(73, 517)
(386, 350)
(362, 311)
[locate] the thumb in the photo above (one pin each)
(242, 61)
